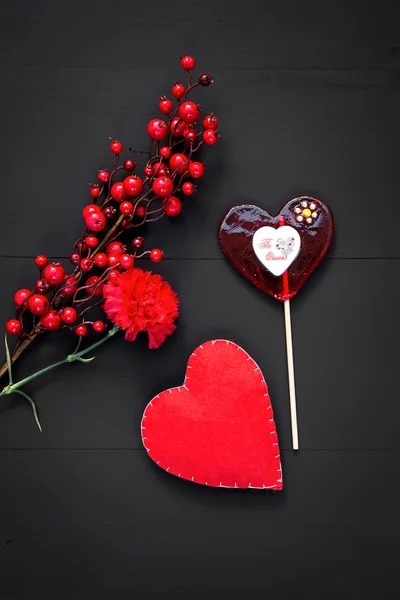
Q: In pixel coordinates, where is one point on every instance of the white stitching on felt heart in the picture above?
(267, 487)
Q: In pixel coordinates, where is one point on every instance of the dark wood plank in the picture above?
(346, 370)
(307, 96)
(106, 523)
(257, 35)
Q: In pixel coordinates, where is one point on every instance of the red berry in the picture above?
(118, 191)
(165, 151)
(162, 187)
(126, 261)
(95, 191)
(173, 206)
(156, 255)
(103, 176)
(69, 315)
(137, 242)
(113, 275)
(116, 248)
(21, 295)
(70, 286)
(179, 163)
(51, 320)
(90, 209)
(13, 327)
(126, 208)
(91, 241)
(140, 212)
(116, 147)
(189, 133)
(178, 90)
(113, 260)
(129, 164)
(99, 326)
(157, 129)
(38, 304)
(86, 264)
(100, 260)
(177, 127)
(75, 258)
(81, 330)
(188, 63)
(161, 169)
(165, 106)
(42, 286)
(109, 212)
(210, 122)
(41, 261)
(54, 273)
(148, 170)
(133, 185)
(196, 169)
(210, 137)
(91, 284)
(96, 221)
(206, 80)
(189, 112)
(188, 188)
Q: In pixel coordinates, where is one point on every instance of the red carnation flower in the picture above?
(138, 301)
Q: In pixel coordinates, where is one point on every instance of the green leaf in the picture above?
(33, 405)
(8, 359)
(84, 360)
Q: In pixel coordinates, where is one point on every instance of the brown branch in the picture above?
(107, 237)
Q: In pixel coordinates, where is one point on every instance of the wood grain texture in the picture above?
(110, 523)
(307, 96)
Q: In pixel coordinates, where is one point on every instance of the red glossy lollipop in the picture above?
(278, 254)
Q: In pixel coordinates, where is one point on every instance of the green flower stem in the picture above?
(75, 356)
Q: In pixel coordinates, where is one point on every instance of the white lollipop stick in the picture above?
(292, 386)
(276, 249)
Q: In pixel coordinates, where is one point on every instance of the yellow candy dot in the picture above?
(306, 212)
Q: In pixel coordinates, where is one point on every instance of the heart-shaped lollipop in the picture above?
(278, 254)
(247, 240)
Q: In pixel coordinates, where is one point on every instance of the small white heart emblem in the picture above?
(276, 249)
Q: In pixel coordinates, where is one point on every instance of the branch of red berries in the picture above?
(63, 300)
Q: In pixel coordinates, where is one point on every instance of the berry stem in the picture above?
(73, 289)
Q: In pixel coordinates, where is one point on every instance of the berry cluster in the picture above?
(60, 299)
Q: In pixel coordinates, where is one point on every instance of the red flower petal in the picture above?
(141, 301)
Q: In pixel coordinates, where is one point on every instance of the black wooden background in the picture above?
(308, 96)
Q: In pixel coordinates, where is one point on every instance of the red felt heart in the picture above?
(218, 428)
(241, 223)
